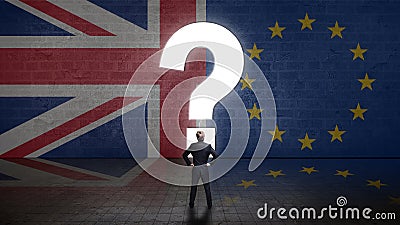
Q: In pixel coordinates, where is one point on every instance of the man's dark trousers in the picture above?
(200, 152)
(197, 173)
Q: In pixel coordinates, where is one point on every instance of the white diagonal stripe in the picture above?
(127, 34)
(86, 129)
(99, 16)
(46, 122)
(88, 97)
(46, 17)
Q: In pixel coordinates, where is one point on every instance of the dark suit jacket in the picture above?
(200, 152)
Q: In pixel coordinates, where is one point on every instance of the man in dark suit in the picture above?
(200, 152)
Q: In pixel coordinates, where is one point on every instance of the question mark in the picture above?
(228, 64)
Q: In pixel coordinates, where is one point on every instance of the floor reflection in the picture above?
(199, 216)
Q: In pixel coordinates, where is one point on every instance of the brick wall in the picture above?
(314, 78)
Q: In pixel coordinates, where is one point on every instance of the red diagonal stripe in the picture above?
(111, 66)
(67, 17)
(72, 174)
(68, 127)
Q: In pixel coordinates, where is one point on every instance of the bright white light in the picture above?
(226, 50)
(191, 136)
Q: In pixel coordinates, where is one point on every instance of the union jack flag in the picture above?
(65, 67)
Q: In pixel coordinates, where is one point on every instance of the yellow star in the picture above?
(306, 142)
(343, 173)
(277, 134)
(276, 30)
(306, 22)
(358, 112)
(366, 82)
(376, 183)
(246, 82)
(336, 134)
(394, 200)
(336, 30)
(247, 184)
(255, 52)
(308, 170)
(358, 52)
(229, 201)
(255, 112)
(275, 173)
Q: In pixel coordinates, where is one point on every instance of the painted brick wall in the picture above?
(89, 66)
(314, 77)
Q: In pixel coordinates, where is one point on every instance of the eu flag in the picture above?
(332, 67)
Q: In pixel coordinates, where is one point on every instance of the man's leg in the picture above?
(193, 188)
(205, 178)
(207, 188)
(193, 191)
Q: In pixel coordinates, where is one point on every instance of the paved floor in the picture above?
(78, 192)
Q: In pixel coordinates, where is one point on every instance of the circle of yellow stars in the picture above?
(336, 32)
(306, 142)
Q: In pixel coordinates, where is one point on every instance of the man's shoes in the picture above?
(191, 205)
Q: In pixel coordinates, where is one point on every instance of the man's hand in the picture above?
(192, 164)
(208, 164)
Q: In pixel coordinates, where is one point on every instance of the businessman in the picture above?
(200, 152)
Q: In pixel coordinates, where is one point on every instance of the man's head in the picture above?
(200, 135)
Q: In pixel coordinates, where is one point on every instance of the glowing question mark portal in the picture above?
(228, 63)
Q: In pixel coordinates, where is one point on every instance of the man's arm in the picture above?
(186, 158)
(213, 153)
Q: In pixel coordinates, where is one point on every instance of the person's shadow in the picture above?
(202, 217)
